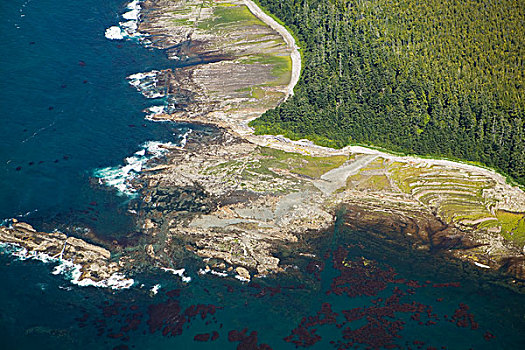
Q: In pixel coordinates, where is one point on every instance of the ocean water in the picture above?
(404, 301)
(70, 116)
(68, 109)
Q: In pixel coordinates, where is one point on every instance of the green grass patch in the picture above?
(466, 211)
(317, 166)
(182, 22)
(257, 93)
(467, 198)
(225, 4)
(376, 164)
(378, 182)
(300, 164)
(182, 10)
(473, 215)
(512, 226)
(281, 66)
(227, 15)
(368, 182)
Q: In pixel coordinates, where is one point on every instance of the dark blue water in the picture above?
(39, 310)
(66, 105)
(67, 110)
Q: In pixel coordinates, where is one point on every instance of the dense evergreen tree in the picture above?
(443, 78)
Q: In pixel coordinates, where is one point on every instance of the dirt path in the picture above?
(238, 123)
(305, 147)
(336, 178)
(280, 205)
(288, 38)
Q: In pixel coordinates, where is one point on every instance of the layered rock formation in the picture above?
(237, 200)
(238, 197)
(222, 200)
(235, 66)
(95, 261)
(233, 201)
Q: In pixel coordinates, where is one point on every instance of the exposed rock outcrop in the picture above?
(234, 198)
(95, 261)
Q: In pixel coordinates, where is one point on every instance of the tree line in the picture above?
(442, 78)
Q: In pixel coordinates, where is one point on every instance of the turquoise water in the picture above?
(56, 56)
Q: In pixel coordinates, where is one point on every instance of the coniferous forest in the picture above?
(431, 77)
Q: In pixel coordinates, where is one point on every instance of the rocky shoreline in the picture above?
(94, 262)
(238, 166)
(236, 200)
(394, 210)
(237, 204)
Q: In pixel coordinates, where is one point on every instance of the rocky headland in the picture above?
(263, 191)
(238, 200)
(94, 262)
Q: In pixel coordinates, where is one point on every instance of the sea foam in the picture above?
(120, 177)
(184, 138)
(114, 33)
(72, 271)
(179, 272)
(127, 29)
(146, 84)
(155, 289)
(132, 15)
(213, 272)
(153, 111)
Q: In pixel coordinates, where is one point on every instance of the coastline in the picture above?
(239, 127)
(306, 146)
(498, 196)
(182, 235)
(236, 199)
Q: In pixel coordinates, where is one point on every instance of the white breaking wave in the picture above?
(242, 279)
(213, 272)
(139, 76)
(120, 177)
(134, 5)
(73, 271)
(114, 33)
(184, 138)
(179, 272)
(131, 25)
(132, 15)
(153, 111)
(155, 289)
(128, 28)
(27, 213)
(220, 274)
(69, 269)
(481, 265)
(146, 84)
